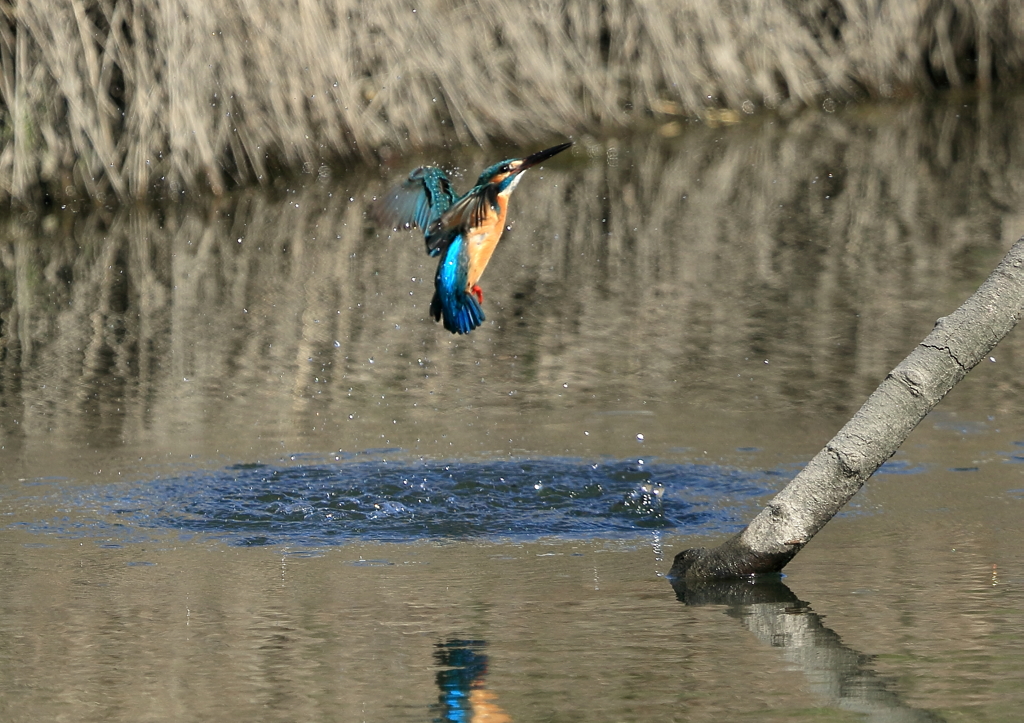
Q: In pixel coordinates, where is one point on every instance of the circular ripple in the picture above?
(325, 503)
(331, 503)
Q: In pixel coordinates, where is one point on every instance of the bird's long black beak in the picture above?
(541, 156)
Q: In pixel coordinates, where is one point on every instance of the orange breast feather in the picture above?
(482, 241)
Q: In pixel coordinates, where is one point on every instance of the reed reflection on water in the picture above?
(781, 265)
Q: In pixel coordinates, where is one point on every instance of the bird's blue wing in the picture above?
(419, 201)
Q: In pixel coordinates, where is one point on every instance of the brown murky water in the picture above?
(732, 295)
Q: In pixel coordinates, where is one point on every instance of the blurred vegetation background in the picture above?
(825, 244)
(122, 99)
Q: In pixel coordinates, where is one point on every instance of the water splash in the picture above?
(334, 502)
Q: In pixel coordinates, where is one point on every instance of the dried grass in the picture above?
(121, 98)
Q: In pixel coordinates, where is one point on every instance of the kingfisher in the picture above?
(462, 230)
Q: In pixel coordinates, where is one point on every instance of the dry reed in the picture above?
(121, 98)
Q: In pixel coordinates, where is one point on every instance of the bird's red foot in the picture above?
(478, 293)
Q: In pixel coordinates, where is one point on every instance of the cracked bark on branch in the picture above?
(956, 344)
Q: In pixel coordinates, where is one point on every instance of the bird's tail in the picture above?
(460, 312)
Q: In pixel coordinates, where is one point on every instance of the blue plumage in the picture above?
(419, 201)
(460, 312)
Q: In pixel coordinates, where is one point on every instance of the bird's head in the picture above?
(507, 173)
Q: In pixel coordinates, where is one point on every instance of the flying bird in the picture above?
(462, 230)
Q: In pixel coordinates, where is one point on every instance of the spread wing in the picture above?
(468, 212)
(419, 201)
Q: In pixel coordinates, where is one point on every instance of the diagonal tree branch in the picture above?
(911, 390)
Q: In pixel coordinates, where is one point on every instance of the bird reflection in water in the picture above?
(464, 696)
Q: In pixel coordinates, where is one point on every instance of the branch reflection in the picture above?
(835, 672)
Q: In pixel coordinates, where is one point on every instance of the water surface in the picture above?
(244, 476)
